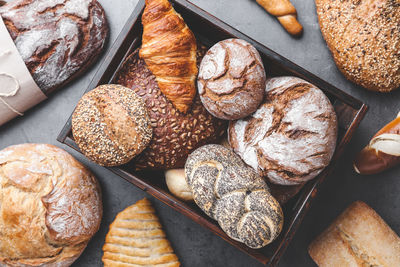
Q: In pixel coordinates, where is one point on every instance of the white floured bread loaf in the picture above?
(359, 237)
(50, 206)
(136, 238)
(291, 138)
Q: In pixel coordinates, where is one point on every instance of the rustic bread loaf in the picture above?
(176, 183)
(50, 206)
(359, 237)
(175, 134)
(231, 79)
(291, 138)
(136, 238)
(232, 193)
(111, 125)
(364, 39)
(57, 39)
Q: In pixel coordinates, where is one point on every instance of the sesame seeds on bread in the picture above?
(111, 125)
(175, 134)
(364, 39)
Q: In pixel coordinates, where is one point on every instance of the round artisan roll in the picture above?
(291, 138)
(231, 79)
(50, 206)
(232, 193)
(111, 125)
(175, 134)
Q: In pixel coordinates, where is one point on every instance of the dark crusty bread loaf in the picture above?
(232, 193)
(175, 134)
(57, 39)
(364, 39)
(111, 125)
(291, 138)
(359, 237)
(50, 206)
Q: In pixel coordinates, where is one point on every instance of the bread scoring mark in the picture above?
(291, 137)
(56, 38)
(231, 79)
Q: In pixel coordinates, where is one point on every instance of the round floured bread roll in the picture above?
(50, 206)
(291, 138)
(231, 79)
(175, 135)
(111, 125)
(233, 194)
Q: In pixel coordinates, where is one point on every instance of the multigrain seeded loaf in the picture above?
(233, 194)
(111, 125)
(175, 135)
(364, 39)
(50, 206)
(359, 237)
(291, 138)
(57, 39)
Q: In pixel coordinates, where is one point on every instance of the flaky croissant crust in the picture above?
(169, 50)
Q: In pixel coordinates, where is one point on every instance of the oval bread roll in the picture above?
(176, 183)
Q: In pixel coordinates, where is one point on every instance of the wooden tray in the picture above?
(210, 30)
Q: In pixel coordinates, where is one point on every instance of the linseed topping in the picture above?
(111, 125)
(364, 38)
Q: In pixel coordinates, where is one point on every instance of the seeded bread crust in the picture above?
(175, 135)
(364, 39)
(111, 125)
(233, 194)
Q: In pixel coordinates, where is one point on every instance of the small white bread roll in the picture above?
(176, 183)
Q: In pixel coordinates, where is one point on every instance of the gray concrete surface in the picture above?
(195, 245)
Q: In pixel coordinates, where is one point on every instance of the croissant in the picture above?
(169, 50)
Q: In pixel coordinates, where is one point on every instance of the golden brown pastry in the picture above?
(136, 238)
(285, 12)
(382, 152)
(169, 50)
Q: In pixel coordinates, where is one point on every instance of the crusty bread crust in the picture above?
(58, 40)
(358, 237)
(292, 136)
(364, 39)
(50, 206)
